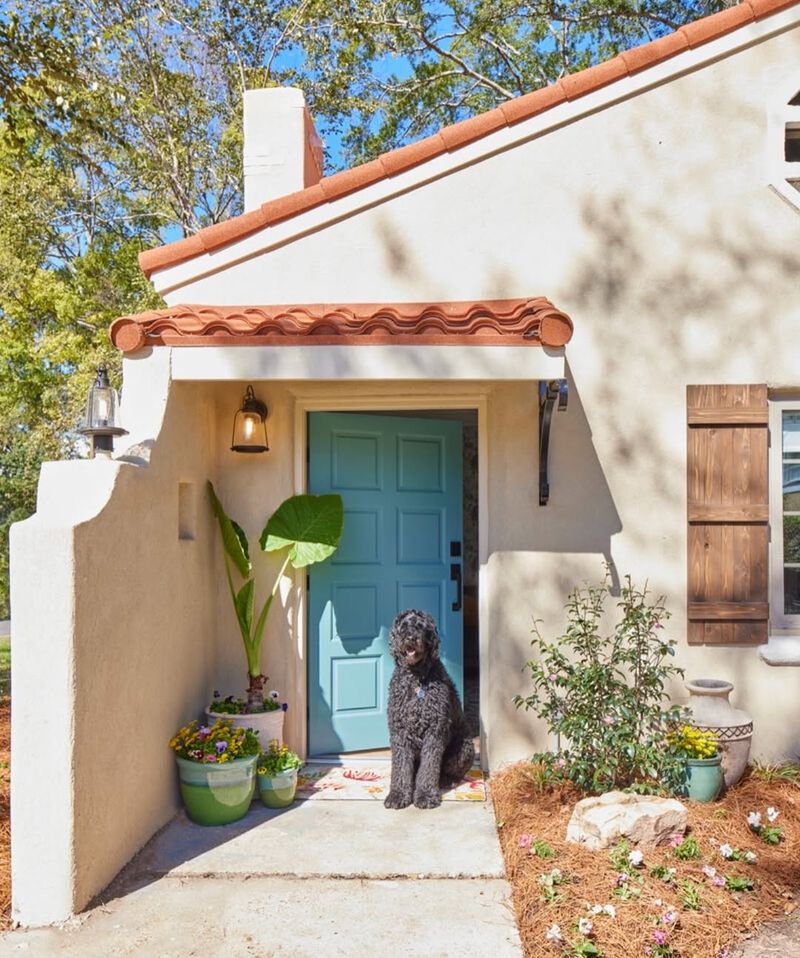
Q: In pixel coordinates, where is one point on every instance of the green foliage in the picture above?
(688, 850)
(689, 894)
(309, 528)
(5, 666)
(768, 772)
(542, 849)
(603, 696)
(549, 883)
(233, 706)
(738, 883)
(663, 873)
(278, 758)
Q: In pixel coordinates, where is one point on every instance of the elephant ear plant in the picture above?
(308, 529)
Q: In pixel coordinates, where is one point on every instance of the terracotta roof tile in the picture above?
(406, 157)
(531, 104)
(220, 234)
(348, 181)
(579, 84)
(709, 28)
(764, 8)
(451, 138)
(527, 322)
(648, 55)
(459, 134)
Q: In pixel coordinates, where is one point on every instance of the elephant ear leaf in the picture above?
(309, 526)
(233, 538)
(243, 604)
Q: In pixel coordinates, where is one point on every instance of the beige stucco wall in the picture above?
(652, 224)
(113, 650)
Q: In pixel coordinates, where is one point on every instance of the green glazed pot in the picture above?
(703, 778)
(277, 791)
(217, 794)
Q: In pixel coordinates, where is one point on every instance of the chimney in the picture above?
(282, 150)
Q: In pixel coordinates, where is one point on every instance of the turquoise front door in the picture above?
(400, 479)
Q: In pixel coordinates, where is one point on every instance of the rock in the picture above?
(600, 821)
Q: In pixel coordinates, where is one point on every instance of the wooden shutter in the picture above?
(728, 513)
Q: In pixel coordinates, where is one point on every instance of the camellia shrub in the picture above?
(604, 696)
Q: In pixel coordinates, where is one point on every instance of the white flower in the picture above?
(93, 86)
(59, 100)
(596, 909)
(751, 858)
(274, 694)
(553, 933)
(754, 819)
(669, 917)
(610, 910)
(725, 850)
(658, 902)
(585, 926)
(635, 858)
(772, 813)
(708, 871)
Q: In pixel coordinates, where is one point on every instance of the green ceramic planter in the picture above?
(703, 778)
(277, 791)
(217, 794)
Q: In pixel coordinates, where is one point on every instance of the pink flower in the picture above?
(552, 677)
(719, 881)
(608, 720)
(660, 936)
(525, 841)
(669, 917)
(675, 839)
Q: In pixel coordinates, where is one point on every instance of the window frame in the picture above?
(780, 621)
(782, 173)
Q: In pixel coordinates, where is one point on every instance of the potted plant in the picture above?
(309, 529)
(277, 775)
(700, 749)
(216, 770)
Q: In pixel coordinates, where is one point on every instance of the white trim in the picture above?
(365, 363)
(358, 402)
(779, 621)
(779, 172)
(169, 280)
(783, 648)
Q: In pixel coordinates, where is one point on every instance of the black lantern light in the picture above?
(249, 425)
(100, 421)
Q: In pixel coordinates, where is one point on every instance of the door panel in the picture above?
(400, 479)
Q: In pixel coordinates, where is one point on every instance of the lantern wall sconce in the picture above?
(100, 420)
(249, 425)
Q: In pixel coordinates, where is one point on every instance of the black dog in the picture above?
(431, 749)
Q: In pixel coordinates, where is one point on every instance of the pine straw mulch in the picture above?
(5, 821)
(723, 918)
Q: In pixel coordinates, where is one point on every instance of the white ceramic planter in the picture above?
(269, 725)
(711, 711)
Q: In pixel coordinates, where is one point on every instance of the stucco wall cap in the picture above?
(453, 137)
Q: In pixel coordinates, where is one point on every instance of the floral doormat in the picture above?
(370, 782)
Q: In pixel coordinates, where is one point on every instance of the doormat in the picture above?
(370, 782)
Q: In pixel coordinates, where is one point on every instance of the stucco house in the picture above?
(563, 332)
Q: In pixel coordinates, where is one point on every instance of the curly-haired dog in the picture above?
(431, 748)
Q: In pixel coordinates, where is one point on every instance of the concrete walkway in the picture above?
(345, 879)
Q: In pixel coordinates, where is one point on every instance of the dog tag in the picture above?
(420, 693)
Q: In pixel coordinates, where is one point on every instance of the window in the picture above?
(785, 515)
(784, 148)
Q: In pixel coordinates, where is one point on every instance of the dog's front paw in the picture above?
(427, 800)
(396, 799)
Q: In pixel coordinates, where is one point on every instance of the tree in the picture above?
(121, 129)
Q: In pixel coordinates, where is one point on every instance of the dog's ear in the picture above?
(433, 639)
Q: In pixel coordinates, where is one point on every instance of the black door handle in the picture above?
(455, 576)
